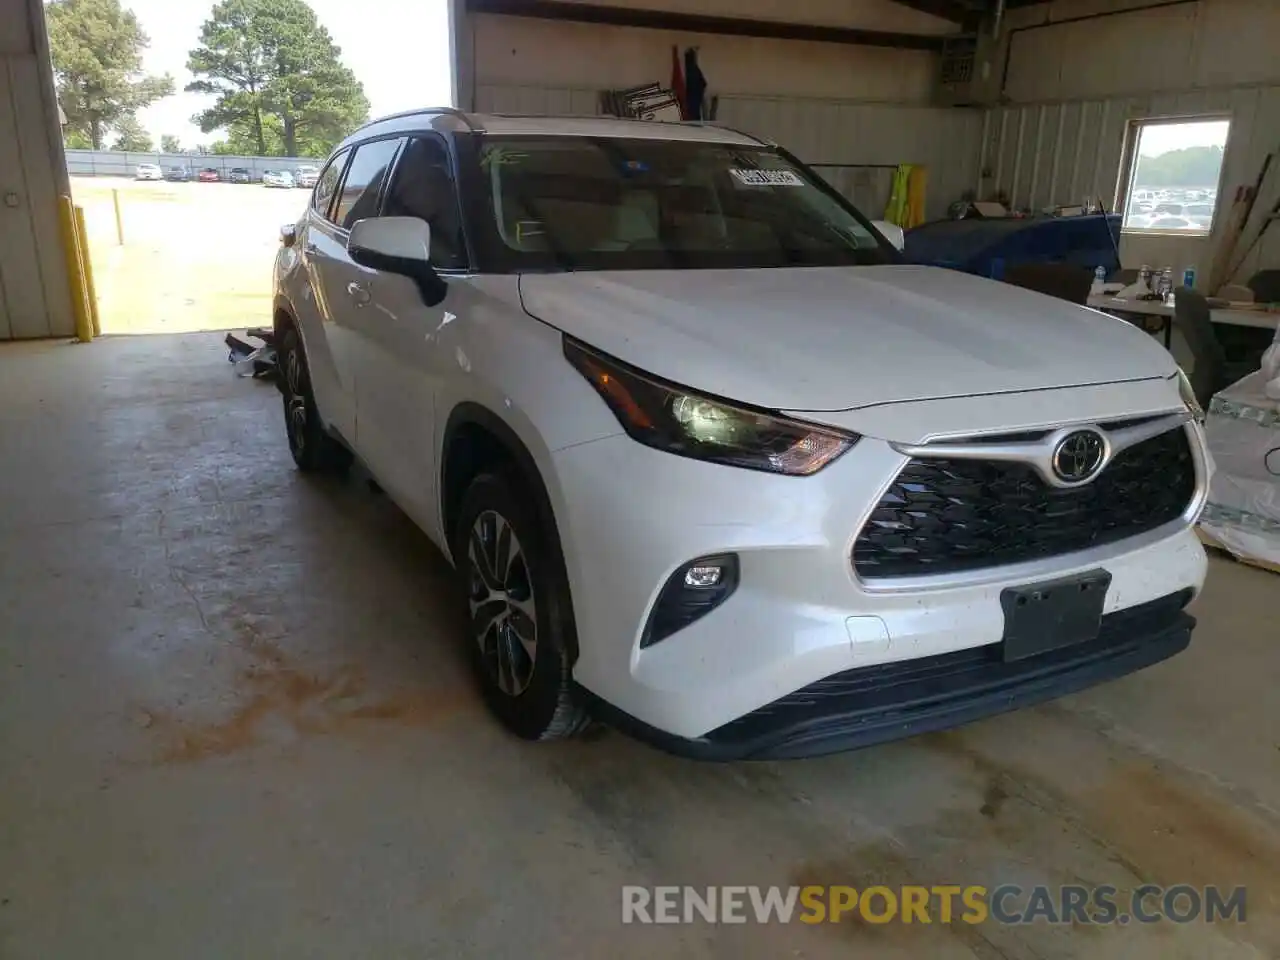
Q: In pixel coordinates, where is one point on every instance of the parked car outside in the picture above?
(148, 171)
(240, 175)
(306, 177)
(177, 174)
(209, 175)
(714, 464)
(277, 178)
(1173, 223)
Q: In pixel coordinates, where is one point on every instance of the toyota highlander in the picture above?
(714, 464)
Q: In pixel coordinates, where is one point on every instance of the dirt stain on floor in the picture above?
(1159, 822)
(993, 798)
(879, 871)
(1182, 835)
(277, 699)
(1168, 825)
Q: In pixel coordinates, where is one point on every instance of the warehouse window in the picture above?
(1172, 172)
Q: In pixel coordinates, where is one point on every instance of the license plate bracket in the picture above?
(1041, 617)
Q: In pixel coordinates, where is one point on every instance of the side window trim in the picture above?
(344, 159)
(337, 187)
(332, 213)
(392, 167)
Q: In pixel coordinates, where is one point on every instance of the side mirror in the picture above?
(891, 232)
(398, 245)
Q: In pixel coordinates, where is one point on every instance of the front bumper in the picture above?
(870, 705)
(629, 516)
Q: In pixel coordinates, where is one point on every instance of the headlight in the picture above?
(1189, 396)
(671, 418)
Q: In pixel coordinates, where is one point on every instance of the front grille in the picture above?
(945, 516)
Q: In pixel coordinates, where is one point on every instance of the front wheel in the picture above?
(520, 625)
(313, 449)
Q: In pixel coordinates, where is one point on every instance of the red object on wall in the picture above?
(677, 83)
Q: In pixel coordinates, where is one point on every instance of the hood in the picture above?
(836, 338)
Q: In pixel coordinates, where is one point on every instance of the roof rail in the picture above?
(724, 126)
(461, 115)
(447, 111)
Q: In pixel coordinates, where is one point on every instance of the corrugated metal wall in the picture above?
(34, 297)
(1042, 154)
(526, 52)
(34, 301)
(1067, 146)
(845, 133)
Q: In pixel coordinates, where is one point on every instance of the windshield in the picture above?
(579, 203)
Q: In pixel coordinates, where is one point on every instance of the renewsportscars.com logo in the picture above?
(1005, 904)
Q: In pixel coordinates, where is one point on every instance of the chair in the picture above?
(1125, 275)
(1265, 285)
(1062, 280)
(1212, 371)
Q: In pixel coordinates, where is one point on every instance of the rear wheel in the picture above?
(313, 449)
(518, 599)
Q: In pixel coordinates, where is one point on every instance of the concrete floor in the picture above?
(234, 723)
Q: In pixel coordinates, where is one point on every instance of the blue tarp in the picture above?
(986, 247)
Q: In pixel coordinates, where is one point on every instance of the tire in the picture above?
(314, 449)
(530, 691)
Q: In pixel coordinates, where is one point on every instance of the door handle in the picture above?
(358, 293)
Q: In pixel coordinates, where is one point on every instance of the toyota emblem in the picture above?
(1079, 456)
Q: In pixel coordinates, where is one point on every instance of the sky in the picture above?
(399, 49)
(1160, 138)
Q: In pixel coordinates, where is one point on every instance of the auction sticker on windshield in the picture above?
(768, 178)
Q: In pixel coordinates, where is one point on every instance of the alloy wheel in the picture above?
(295, 400)
(504, 616)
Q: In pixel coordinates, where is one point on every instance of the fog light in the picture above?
(689, 594)
(703, 577)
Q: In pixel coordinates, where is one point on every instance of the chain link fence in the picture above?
(118, 163)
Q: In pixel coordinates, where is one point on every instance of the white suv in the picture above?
(716, 466)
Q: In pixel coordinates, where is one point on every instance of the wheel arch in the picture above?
(283, 314)
(475, 438)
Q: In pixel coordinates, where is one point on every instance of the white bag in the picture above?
(1271, 368)
(1243, 430)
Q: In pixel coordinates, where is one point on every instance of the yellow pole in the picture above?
(115, 199)
(90, 286)
(75, 271)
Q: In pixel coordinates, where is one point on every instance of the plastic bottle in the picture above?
(1099, 278)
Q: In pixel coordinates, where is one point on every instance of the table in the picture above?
(1238, 316)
